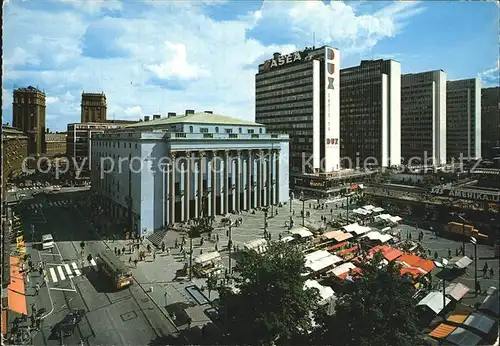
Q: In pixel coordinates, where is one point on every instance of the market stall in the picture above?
(208, 263)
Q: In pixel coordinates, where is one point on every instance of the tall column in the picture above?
(187, 183)
(244, 178)
(227, 183)
(208, 169)
(173, 156)
(182, 187)
(277, 178)
(238, 180)
(215, 188)
(255, 171)
(260, 177)
(270, 170)
(196, 186)
(201, 172)
(167, 194)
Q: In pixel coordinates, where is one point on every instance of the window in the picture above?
(190, 129)
(260, 130)
(229, 130)
(239, 130)
(250, 131)
(203, 130)
(216, 129)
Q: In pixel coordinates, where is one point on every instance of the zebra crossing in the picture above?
(37, 206)
(66, 271)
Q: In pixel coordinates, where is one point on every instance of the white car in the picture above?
(47, 241)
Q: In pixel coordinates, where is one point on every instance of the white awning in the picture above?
(302, 231)
(434, 301)
(463, 337)
(480, 322)
(459, 262)
(259, 245)
(337, 235)
(456, 290)
(356, 228)
(378, 210)
(287, 239)
(316, 255)
(369, 207)
(395, 219)
(374, 235)
(384, 217)
(323, 263)
(343, 268)
(325, 292)
(206, 257)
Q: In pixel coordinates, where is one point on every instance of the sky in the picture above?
(154, 57)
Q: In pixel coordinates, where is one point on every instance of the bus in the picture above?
(115, 269)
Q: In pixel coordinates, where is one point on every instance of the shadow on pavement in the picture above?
(101, 283)
(208, 335)
(178, 313)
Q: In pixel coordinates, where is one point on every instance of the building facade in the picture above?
(185, 166)
(370, 114)
(28, 116)
(14, 151)
(298, 94)
(423, 118)
(93, 108)
(78, 136)
(55, 144)
(490, 122)
(463, 118)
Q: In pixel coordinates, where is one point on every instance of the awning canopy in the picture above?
(342, 269)
(395, 219)
(337, 236)
(384, 217)
(362, 211)
(369, 207)
(303, 232)
(389, 253)
(463, 337)
(206, 257)
(459, 262)
(414, 261)
(323, 263)
(480, 322)
(375, 235)
(456, 290)
(442, 331)
(434, 301)
(287, 239)
(325, 292)
(356, 228)
(378, 210)
(259, 245)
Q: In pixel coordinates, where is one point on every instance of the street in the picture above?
(126, 317)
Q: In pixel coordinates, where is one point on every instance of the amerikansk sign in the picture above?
(475, 195)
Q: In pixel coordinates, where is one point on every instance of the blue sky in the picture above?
(163, 56)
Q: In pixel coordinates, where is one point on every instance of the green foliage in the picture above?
(379, 310)
(271, 304)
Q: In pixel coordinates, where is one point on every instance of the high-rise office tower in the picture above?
(28, 116)
(94, 107)
(298, 94)
(463, 118)
(423, 118)
(370, 114)
(490, 121)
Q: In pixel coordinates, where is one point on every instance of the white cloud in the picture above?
(491, 77)
(173, 56)
(51, 99)
(175, 64)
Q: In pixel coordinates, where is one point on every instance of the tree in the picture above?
(211, 284)
(379, 310)
(268, 303)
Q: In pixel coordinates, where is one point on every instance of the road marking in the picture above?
(68, 270)
(75, 268)
(53, 275)
(61, 272)
(63, 289)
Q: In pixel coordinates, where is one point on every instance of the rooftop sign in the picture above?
(475, 195)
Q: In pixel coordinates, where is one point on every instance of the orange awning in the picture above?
(16, 293)
(442, 331)
(346, 251)
(4, 322)
(336, 246)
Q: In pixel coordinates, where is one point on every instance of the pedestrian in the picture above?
(216, 249)
(485, 271)
(492, 273)
(135, 262)
(123, 250)
(163, 246)
(189, 321)
(116, 250)
(148, 248)
(130, 260)
(449, 253)
(168, 251)
(478, 287)
(154, 256)
(201, 251)
(176, 243)
(456, 252)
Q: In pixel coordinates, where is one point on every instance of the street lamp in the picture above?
(347, 201)
(230, 244)
(474, 242)
(463, 234)
(291, 201)
(302, 198)
(265, 209)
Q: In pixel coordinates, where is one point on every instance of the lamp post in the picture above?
(444, 294)
(474, 242)
(291, 201)
(302, 198)
(230, 245)
(463, 234)
(347, 202)
(265, 209)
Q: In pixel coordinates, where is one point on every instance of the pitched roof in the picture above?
(195, 118)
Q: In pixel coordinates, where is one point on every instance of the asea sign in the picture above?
(285, 59)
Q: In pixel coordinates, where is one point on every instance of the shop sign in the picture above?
(317, 183)
(463, 194)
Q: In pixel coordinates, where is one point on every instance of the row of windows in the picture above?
(276, 95)
(294, 105)
(283, 71)
(281, 79)
(227, 130)
(286, 99)
(287, 85)
(107, 144)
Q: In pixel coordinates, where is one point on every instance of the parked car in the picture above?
(47, 241)
(67, 326)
